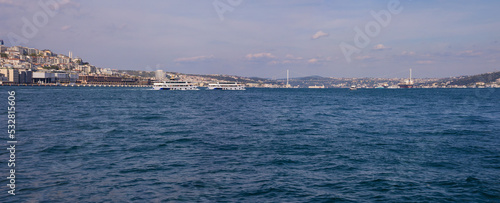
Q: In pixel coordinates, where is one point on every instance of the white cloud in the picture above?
(258, 56)
(361, 58)
(319, 59)
(425, 62)
(194, 59)
(470, 53)
(320, 34)
(292, 57)
(9, 2)
(408, 53)
(66, 27)
(380, 47)
(274, 62)
(313, 60)
(25, 3)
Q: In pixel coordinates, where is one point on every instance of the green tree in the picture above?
(53, 67)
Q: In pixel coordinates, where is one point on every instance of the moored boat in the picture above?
(225, 86)
(174, 85)
(407, 84)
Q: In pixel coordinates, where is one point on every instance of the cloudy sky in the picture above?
(436, 38)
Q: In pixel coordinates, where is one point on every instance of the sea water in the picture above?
(110, 144)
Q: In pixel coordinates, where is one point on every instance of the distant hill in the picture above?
(330, 82)
(137, 73)
(312, 77)
(473, 79)
(239, 79)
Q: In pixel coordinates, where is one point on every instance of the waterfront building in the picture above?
(62, 77)
(90, 79)
(73, 77)
(3, 78)
(11, 74)
(25, 76)
(43, 77)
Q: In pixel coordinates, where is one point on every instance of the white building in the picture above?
(32, 51)
(106, 71)
(12, 75)
(43, 77)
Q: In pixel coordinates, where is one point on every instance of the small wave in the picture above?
(59, 148)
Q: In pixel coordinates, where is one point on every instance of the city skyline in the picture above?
(264, 39)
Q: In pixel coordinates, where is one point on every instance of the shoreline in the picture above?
(150, 86)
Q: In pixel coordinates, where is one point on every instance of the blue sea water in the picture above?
(82, 144)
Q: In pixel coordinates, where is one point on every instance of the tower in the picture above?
(410, 77)
(159, 75)
(287, 78)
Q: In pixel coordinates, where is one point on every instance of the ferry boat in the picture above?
(317, 87)
(174, 85)
(225, 86)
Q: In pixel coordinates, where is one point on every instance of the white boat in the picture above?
(317, 87)
(225, 86)
(174, 85)
(353, 87)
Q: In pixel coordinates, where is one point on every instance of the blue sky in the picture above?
(436, 38)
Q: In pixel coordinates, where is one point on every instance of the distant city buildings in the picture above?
(23, 65)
